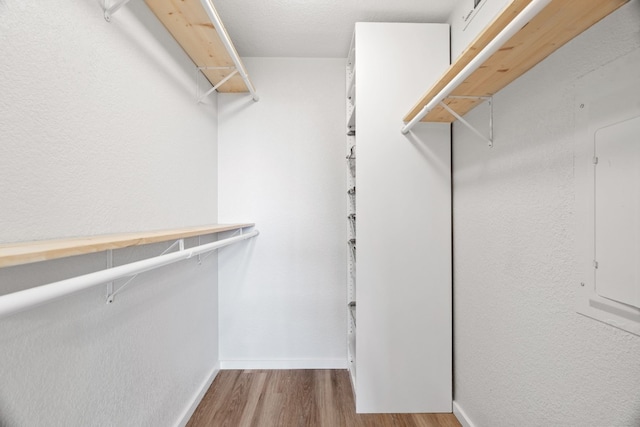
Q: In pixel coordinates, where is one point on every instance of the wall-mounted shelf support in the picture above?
(352, 222)
(238, 232)
(109, 265)
(198, 29)
(352, 154)
(111, 296)
(200, 98)
(521, 36)
(351, 90)
(352, 310)
(32, 297)
(226, 41)
(489, 139)
(352, 246)
(523, 18)
(109, 11)
(351, 123)
(199, 255)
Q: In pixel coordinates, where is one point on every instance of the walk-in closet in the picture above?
(320, 213)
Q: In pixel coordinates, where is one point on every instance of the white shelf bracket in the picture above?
(109, 11)
(352, 246)
(199, 255)
(226, 41)
(112, 294)
(238, 232)
(27, 299)
(199, 70)
(489, 139)
(516, 24)
(109, 265)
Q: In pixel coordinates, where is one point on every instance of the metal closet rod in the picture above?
(28, 298)
(527, 14)
(226, 41)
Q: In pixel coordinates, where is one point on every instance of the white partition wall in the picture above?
(280, 162)
(403, 205)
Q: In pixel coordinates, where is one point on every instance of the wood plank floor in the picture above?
(295, 398)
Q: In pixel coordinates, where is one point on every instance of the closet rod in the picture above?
(28, 298)
(226, 41)
(527, 14)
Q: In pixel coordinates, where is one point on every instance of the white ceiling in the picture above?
(315, 28)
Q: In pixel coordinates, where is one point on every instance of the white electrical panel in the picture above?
(607, 172)
(617, 212)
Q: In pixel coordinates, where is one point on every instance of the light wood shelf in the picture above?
(555, 25)
(189, 24)
(28, 252)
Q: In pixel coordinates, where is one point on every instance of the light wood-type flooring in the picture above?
(295, 398)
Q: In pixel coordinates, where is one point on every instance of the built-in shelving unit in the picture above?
(399, 349)
(556, 24)
(352, 311)
(351, 122)
(351, 210)
(28, 252)
(191, 26)
(351, 90)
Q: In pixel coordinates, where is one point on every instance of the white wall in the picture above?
(282, 165)
(99, 133)
(523, 356)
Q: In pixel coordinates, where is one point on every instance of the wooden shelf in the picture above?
(28, 252)
(189, 24)
(555, 25)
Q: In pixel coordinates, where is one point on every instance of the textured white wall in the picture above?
(523, 356)
(99, 133)
(137, 362)
(282, 165)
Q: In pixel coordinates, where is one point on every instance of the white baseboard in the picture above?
(461, 415)
(284, 364)
(197, 398)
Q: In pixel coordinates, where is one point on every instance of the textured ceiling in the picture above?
(315, 28)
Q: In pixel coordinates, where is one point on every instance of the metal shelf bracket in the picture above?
(199, 70)
(352, 246)
(111, 293)
(109, 265)
(489, 139)
(115, 6)
(238, 232)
